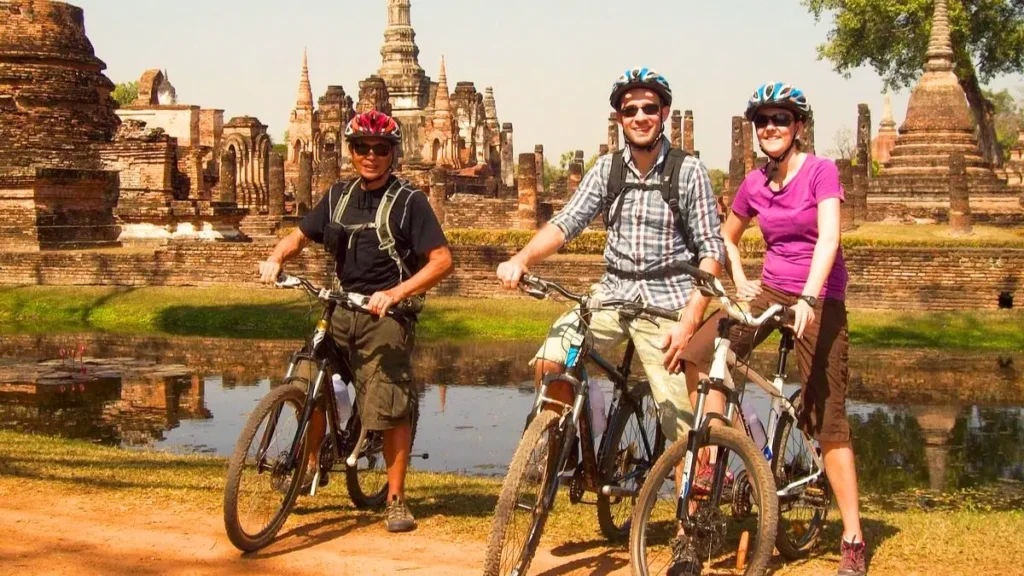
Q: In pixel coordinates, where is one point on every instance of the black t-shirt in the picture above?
(363, 267)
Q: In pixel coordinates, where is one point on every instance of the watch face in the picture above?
(811, 300)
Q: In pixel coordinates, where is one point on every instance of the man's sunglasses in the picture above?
(649, 109)
(779, 119)
(364, 149)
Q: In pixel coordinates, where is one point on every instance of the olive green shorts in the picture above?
(379, 351)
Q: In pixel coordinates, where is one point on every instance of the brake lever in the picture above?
(286, 281)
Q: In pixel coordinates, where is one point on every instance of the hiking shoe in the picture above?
(399, 517)
(684, 559)
(702, 483)
(851, 562)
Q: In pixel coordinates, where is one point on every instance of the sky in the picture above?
(551, 63)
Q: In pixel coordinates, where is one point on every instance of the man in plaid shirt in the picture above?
(644, 241)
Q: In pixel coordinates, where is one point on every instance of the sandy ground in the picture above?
(50, 534)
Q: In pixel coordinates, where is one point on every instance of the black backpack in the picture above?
(668, 186)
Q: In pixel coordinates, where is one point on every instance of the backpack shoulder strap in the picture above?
(616, 182)
(344, 192)
(398, 189)
(670, 183)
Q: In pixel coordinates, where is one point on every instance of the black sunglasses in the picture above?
(649, 109)
(364, 149)
(780, 119)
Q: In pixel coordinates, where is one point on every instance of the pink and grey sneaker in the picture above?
(851, 562)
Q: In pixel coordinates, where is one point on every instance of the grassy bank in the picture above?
(254, 313)
(907, 535)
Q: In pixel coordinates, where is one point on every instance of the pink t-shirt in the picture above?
(789, 223)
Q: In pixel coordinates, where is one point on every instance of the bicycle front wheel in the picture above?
(260, 489)
(737, 529)
(636, 442)
(521, 511)
(803, 509)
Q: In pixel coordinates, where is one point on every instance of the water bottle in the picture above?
(756, 430)
(342, 400)
(598, 410)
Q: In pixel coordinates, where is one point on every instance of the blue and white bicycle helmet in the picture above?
(779, 95)
(641, 78)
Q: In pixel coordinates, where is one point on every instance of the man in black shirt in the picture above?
(389, 245)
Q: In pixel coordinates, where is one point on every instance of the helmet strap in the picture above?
(775, 161)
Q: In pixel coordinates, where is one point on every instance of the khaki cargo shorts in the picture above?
(608, 331)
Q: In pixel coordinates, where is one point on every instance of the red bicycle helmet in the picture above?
(373, 124)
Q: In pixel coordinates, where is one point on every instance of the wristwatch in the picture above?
(811, 300)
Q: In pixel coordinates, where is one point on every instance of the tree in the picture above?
(125, 93)
(892, 37)
(565, 159)
(717, 180)
(1007, 116)
(843, 145)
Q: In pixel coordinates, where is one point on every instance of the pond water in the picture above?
(920, 419)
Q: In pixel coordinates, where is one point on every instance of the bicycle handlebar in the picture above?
(541, 289)
(349, 300)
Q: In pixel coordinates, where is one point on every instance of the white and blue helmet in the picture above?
(641, 78)
(779, 95)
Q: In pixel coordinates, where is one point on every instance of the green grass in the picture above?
(968, 532)
(256, 313)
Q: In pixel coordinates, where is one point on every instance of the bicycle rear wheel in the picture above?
(521, 512)
(804, 510)
(367, 481)
(629, 460)
(747, 504)
(260, 490)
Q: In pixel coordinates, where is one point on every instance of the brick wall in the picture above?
(881, 278)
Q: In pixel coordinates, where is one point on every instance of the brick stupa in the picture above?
(55, 113)
(915, 179)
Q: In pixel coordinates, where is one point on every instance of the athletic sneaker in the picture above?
(852, 561)
(399, 517)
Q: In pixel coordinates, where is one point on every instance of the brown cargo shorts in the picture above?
(379, 351)
(822, 355)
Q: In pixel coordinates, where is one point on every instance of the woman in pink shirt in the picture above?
(796, 199)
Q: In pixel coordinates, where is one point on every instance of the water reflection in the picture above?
(919, 421)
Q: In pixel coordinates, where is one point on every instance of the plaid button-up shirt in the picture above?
(644, 239)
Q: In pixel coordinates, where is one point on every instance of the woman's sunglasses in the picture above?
(779, 119)
(631, 111)
(364, 149)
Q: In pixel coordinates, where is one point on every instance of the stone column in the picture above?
(327, 174)
(228, 179)
(677, 129)
(304, 185)
(527, 185)
(808, 138)
(747, 131)
(858, 194)
(847, 213)
(738, 150)
(508, 173)
(737, 172)
(538, 152)
(602, 149)
(688, 131)
(276, 184)
(864, 137)
(613, 132)
(959, 200)
(575, 176)
(439, 192)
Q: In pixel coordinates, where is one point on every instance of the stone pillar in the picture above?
(602, 149)
(538, 152)
(677, 129)
(527, 184)
(688, 131)
(747, 133)
(613, 132)
(228, 180)
(304, 185)
(959, 200)
(808, 137)
(858, 194)
(738, 150)
(327, 173)
(508, 173)
(847, 212)
(439, 192)
(575, 176)
(276, 184)
(864, 137)
(737, 172)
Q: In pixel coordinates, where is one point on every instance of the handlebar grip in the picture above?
(698, 274)
(665, 313)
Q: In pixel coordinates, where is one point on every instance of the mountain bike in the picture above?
(711, 497)
(628, 447)
(266, 472)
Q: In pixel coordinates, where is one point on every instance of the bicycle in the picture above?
(732, 504)
(274, 471)
(628, 447)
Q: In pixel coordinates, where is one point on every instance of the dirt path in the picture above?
(53, 534)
